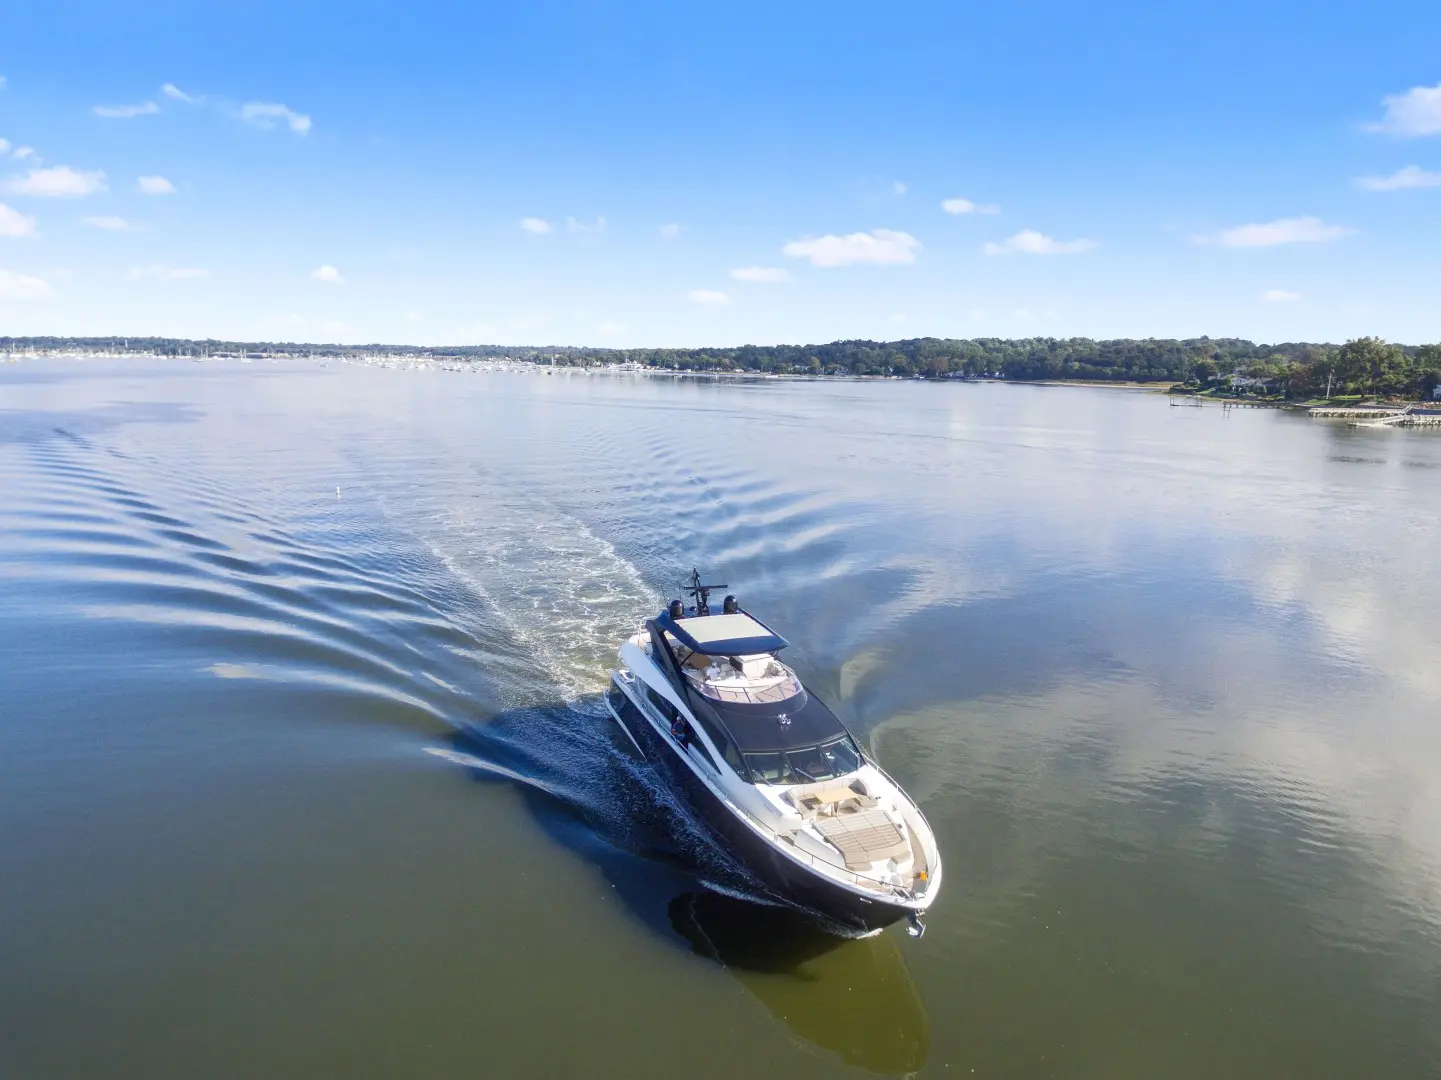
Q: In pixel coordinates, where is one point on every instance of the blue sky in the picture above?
(646, 174)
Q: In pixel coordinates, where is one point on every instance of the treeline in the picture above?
(1365, 366)
(1121, 360)
(1288, 367)
(1027, 358)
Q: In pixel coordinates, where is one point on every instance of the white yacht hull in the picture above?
(851, 900)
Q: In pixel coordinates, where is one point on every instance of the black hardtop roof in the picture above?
(797, 722)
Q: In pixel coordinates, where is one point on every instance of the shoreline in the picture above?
(456, 363)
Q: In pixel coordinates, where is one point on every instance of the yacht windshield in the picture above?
(829, 760)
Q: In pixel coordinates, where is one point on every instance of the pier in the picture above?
(1380, 415)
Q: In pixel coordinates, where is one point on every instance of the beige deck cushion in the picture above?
(827, 791)
(863, 837)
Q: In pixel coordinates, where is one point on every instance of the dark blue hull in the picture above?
(786, 879)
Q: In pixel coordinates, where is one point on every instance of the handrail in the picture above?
(873, 763)
(899, 890)
(721, 692)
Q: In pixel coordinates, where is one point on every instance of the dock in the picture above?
(1225, 402)
(1380, 415)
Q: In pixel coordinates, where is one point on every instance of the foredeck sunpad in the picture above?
(863, 837)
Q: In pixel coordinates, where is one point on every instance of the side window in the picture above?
(733, 758)
(696, 745)
(671, 714)
(661, 703)
(721, 741)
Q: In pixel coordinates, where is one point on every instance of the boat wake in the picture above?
(581, 773)
(402, 606)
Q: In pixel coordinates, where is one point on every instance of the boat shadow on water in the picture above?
(590, 793)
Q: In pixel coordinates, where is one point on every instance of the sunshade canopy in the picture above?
(722, 635)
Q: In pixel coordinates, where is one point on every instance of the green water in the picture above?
(307, 782)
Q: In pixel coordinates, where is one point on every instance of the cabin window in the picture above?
(835, 758)
(733, 758)
(769, 768)
(806, 765)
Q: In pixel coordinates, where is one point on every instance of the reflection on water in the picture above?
(1165, 682)
(854, 998)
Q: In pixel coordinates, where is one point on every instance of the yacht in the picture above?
(707, 701)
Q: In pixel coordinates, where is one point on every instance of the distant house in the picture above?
(1436, 393)
(1245, 382)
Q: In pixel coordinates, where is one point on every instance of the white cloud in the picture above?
(709, 297)
(899, 187)
(14, 223)
(1300, 230)
(111, 224)
(170, 90)
(536, 225)
(1279, 296)
(575, 226)
(1414, 113)
(1411, 176)
(24, 152)
(610, 328)
(328, 274)
(264, 114)
(57, 182)
(965, 206)
(125, 112)
(1030, 242)
(414, 317)
(165, 273)
(15, 286)
(760, 273)
(4, 146)
(155, 185)
(3, 82)
(670, 230)
(884, 247)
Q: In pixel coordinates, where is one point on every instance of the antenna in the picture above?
(700, 593)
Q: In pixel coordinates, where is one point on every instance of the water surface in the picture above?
(303, 770)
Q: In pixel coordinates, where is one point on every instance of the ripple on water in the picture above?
(278, 611)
